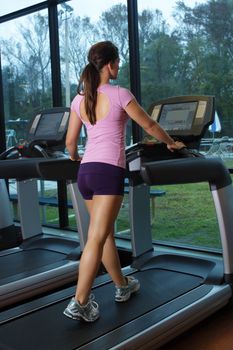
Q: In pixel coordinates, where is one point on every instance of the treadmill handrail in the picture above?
(39, 168)
(188, 170)
(59, 169)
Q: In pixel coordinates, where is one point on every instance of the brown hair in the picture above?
(99, 55)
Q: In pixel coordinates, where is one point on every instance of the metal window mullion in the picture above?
(134, 61)
(57, 101)
(2, 115)
(55, 56)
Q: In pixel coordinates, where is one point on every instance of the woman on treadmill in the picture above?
(104, 109)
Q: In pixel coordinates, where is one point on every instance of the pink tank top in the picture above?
(106, 139)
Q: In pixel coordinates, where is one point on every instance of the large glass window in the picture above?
(186, 49)
(191, 55)
(26, 72)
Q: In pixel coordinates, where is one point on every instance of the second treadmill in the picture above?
(42, 262)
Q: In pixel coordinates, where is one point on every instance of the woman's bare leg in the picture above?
(103, 213)
(111, 261)
(110, 256)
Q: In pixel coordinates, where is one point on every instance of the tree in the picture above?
(82, 34)
(150, 24)
(160, 55)
(207, 36)
(113, 26)
(160, 68)
(28, 63)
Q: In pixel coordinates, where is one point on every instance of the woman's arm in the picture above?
(72, 135)
(151, 127)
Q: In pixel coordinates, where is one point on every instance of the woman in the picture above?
(104, 109)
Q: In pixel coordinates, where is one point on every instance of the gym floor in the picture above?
(214, 333)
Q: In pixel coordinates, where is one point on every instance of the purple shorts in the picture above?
(97, 178)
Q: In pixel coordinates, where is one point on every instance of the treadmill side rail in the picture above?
(139, 207)
(29, 209)
(223, 201)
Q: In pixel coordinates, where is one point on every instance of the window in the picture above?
(187, 56)
(26, 71)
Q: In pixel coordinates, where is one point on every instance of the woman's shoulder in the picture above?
(76, 102)
(78, 97)
(119, 95)
(115, 90)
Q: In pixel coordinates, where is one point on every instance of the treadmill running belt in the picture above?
(23, 262)
(49, 329)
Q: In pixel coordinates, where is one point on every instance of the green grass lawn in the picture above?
(186, 214)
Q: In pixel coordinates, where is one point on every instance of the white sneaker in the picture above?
(89, 312)
(123, 293)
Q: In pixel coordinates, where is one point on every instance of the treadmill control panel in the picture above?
(49, 127)
(45, 138)
(185, 118)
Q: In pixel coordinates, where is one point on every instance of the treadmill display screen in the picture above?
(178, 116)
(49, 125)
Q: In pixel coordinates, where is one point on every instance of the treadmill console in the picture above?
(185, 118)
(46, 135)
(49, 127)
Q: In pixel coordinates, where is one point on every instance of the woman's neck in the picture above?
(104, 81)
(104, 76)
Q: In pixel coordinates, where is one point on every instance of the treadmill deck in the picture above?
(50, 329)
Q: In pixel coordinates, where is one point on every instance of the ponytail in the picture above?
(99, 55)
(88, 84)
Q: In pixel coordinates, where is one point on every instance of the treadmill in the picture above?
(178, 289)
(42, 261)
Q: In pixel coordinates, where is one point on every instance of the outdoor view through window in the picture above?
(186, 48)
